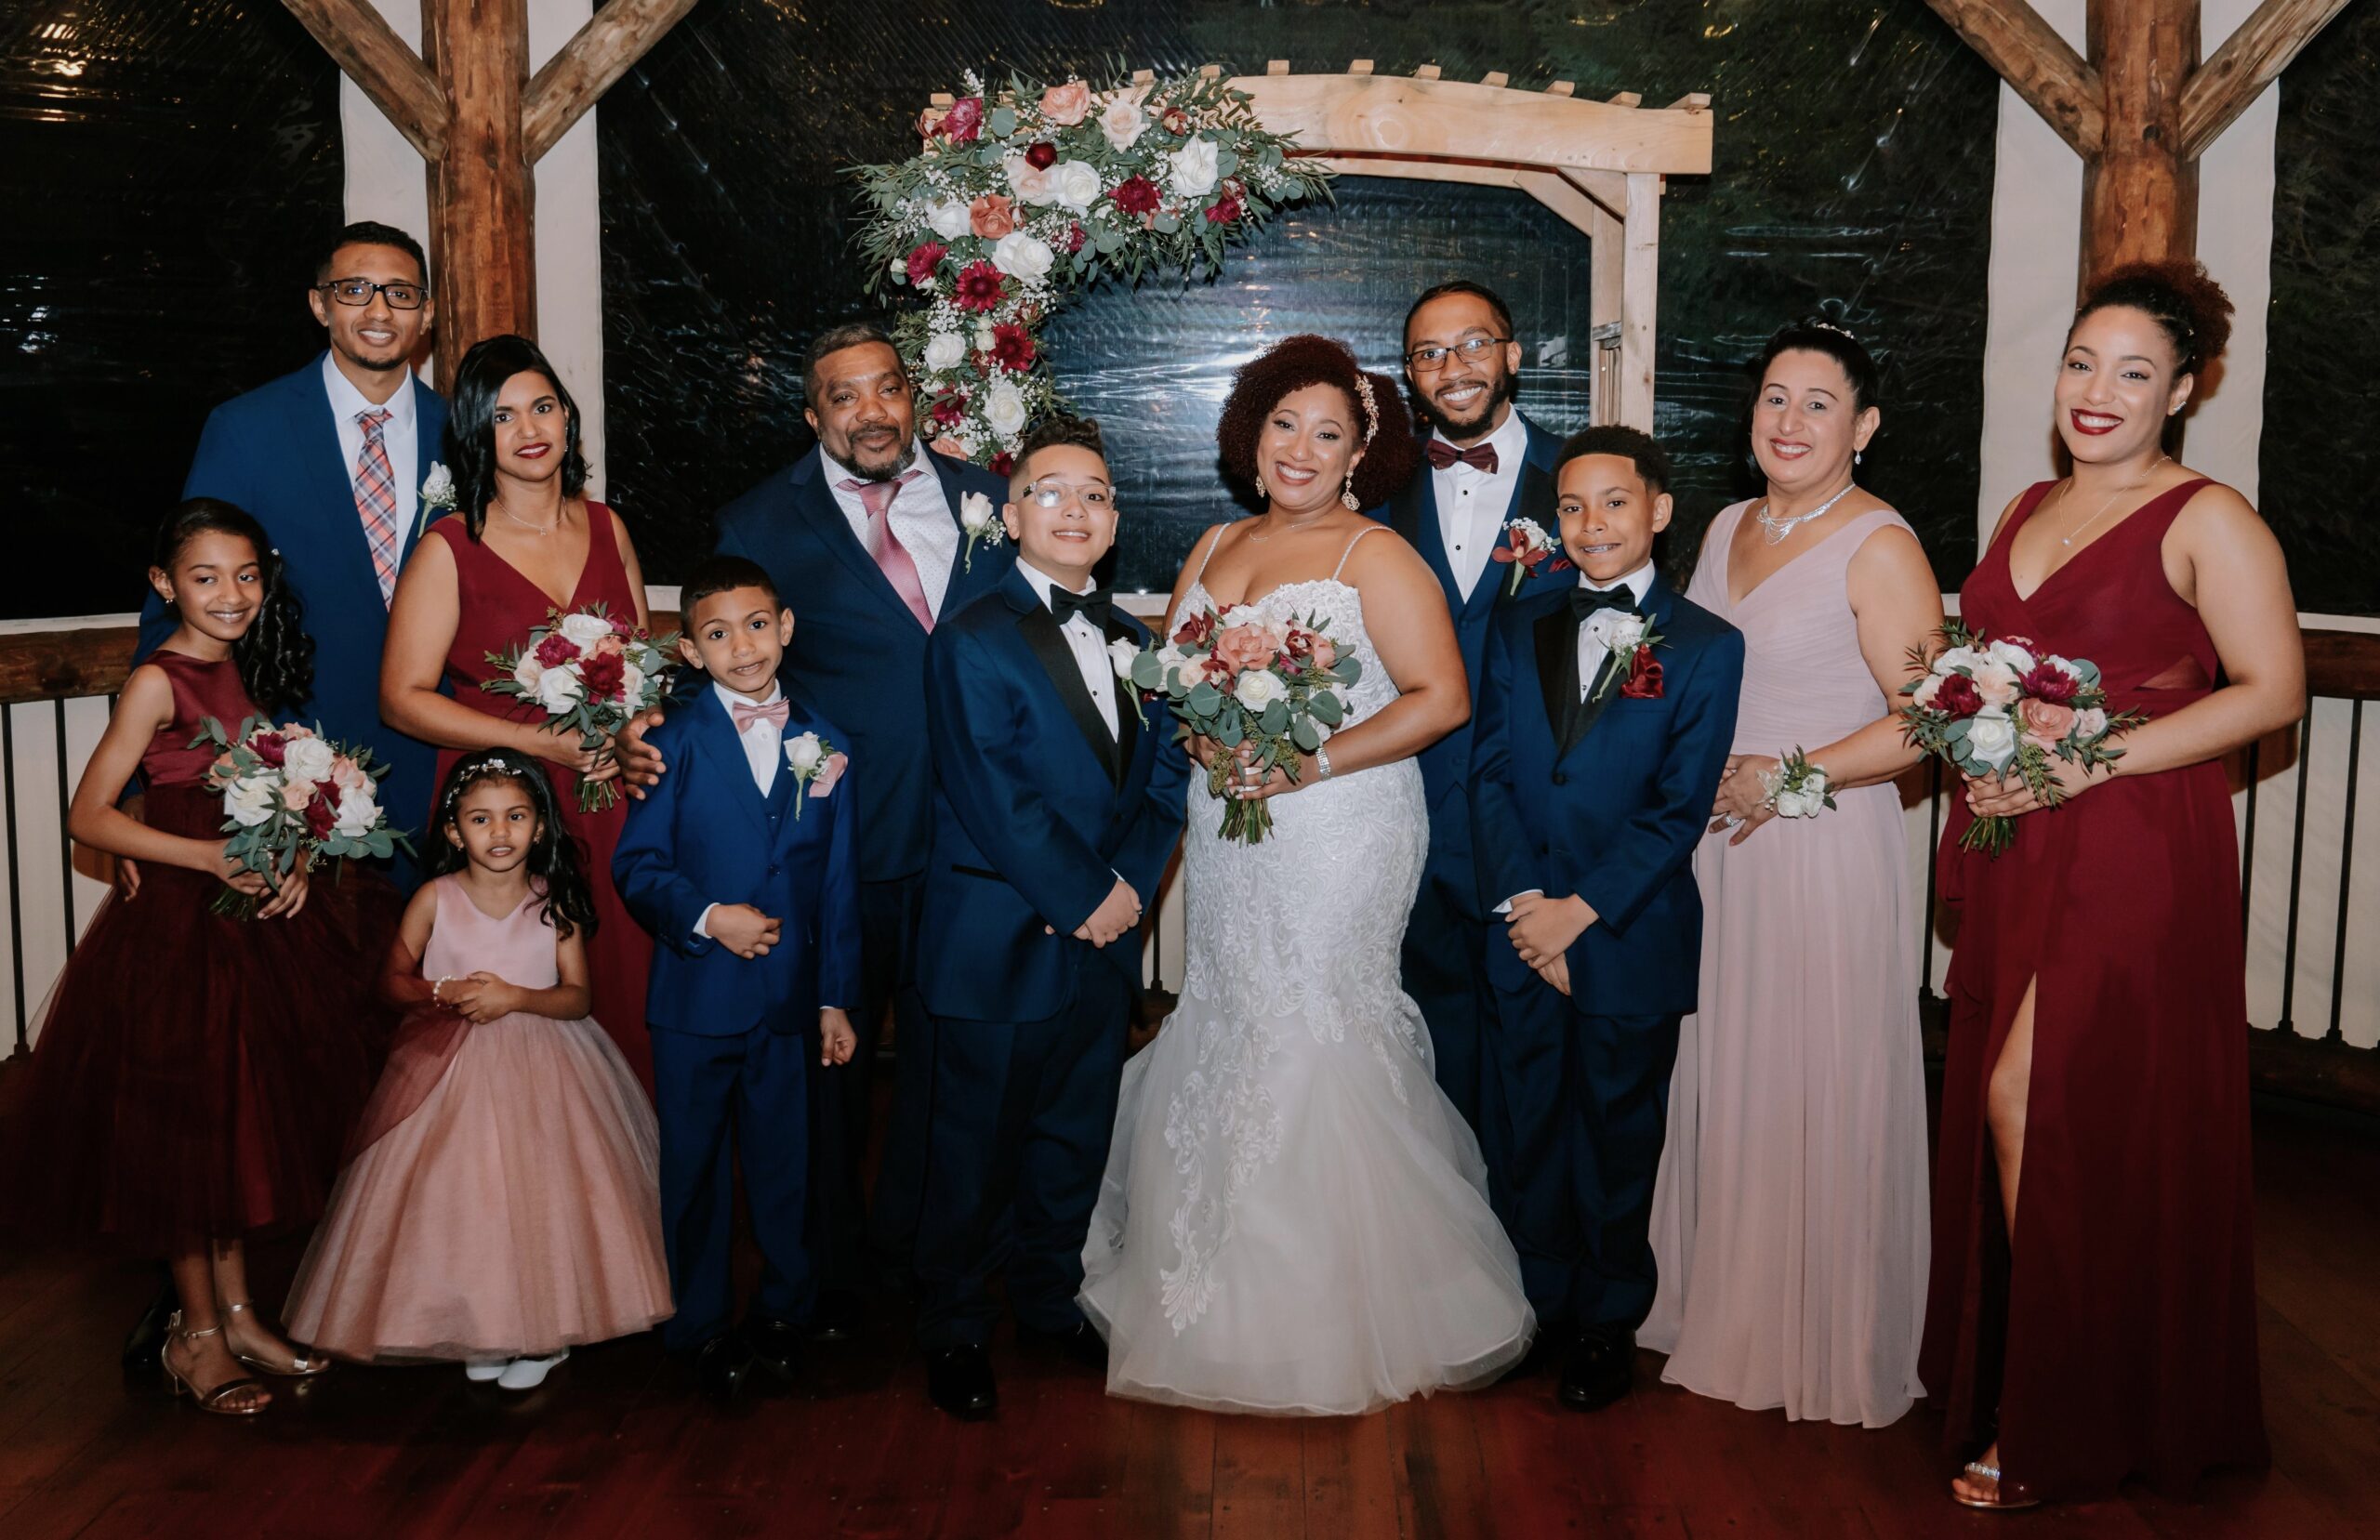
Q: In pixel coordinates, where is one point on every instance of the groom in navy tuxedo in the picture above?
(1057, 803)
(1488, 465)
(862, 542)
(1603, 720)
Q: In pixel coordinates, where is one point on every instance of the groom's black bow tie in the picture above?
(1585, 601)
(1097, 606)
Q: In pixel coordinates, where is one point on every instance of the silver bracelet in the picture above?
(1322, 763)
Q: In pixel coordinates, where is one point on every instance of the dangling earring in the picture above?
(1347, 495)
(1259, 486)
(1857, 455)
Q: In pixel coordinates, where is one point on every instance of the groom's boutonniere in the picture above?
(1527, 549)
(980, 521)
(817, 764)
(437, 495)
(1630, 641)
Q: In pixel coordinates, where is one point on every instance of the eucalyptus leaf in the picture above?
(1308, 737)
(1002, 122)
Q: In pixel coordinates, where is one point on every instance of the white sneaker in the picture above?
(527, 1373)
(481, 1371)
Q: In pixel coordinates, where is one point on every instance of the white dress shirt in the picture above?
(1593, 645)
(1472, 503)
(398, 436)
(763, 742)
(921, 518)
(1088, 646)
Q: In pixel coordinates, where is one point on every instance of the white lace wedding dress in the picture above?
(1294, 1217)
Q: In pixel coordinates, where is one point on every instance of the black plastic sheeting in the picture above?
(1852, 179)
(2319, 471)
(167, 167)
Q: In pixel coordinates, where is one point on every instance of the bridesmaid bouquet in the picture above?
(1239, 678)
(2001, 708)
(292, 796)
(591, 672)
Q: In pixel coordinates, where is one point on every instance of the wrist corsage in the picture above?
(1797, 788)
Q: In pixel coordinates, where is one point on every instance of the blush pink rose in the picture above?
(1996, 682)
(1325, 654)
(1245, 646)
(349, 776)
(991, 216)
(2091, 723)
(2045, 720)
(1067, 104)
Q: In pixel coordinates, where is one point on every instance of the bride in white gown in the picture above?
(1294, 1217)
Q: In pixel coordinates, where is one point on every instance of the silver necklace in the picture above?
(534, 528)
(1777, 529)
(2136, 486)
(1288, 527)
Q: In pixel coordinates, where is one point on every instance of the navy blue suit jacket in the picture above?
(1614, 816)
(274, 451)
(705, 835)
(857, 650)
(1413, 513)
(1037, 809)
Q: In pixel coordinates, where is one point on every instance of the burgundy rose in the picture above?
(2046, 681)
(1225, 211)
(978, 288)
(321, 816)
(1041, 156)
(1176, 120)
(1644, 681)
(949, 408)
(964, 120)
(556, 649)
(271, 747)
(1003, 463)
(1073, 239)
(924, 259)
(1011, 349)
(1136, 195)
(603, 673)
(1958, 696)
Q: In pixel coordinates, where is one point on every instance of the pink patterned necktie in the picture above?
(892, 557)
(376, 500)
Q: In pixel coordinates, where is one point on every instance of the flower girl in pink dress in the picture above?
(501, 1202)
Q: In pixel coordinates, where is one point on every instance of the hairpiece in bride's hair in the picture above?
(1831, 327)
(1372, 407)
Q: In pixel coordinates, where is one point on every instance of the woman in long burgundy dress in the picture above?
(2105, 1327)
(522, 543)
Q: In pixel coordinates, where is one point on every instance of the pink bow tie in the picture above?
(744, 714)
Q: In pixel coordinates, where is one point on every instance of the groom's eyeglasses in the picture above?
(1053, 495)
(1424, 359)
(359, 292)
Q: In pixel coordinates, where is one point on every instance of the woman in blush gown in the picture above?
(2105, 1327)
(522, 543)
(1788, 1215)
(1294, 1217)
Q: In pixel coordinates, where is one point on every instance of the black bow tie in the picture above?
(1097, 606)
(1585, 601)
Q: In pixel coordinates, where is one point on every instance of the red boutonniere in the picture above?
(1644, 681)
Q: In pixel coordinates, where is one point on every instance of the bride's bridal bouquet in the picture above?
(591, 672)
(2002, 708)
(1273, 689)
(291, 798)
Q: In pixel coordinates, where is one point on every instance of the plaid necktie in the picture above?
(376, 500)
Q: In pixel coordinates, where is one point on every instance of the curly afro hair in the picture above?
(1391, 456)
(2188, 307)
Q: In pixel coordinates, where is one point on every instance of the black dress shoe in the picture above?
(1599, 1370)
(774, 1345)
(836, 1317)
(1079, 1344)
(721, 1366)
(1551, 1351)
(147, 1339)
(960, 1380)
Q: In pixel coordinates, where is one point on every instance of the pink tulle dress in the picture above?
(503, 1198)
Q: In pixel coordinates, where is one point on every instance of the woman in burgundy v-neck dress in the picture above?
(2104, 1328)
(495, 568)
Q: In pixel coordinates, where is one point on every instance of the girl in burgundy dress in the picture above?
(2104, 1328)
(523, 542)
(196, 1075)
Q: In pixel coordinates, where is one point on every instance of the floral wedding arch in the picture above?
(1017, 199)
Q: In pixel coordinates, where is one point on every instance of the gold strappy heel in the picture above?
(300, 1366)
(209, 1401)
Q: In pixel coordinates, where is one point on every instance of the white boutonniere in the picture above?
(816, 766)
(1629, 640)
(981, 521)
(1120, 653)
(437, 493)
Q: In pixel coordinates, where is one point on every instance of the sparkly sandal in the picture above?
(300, 1366)
(209, 1401)
(1980, 1471)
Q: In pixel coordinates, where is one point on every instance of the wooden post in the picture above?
(484, 270)
(2139, 193)
(1640, 281)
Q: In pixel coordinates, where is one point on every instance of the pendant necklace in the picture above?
(2136, 486)
(1775, 529)
(1288, 527)
(534, 528)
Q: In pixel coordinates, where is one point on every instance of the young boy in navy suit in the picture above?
(740, 864)
(1056, 805)
(1603, 721)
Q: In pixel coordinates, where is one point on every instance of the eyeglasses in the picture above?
(1053, 495)
(359, 292)
(1471, 348)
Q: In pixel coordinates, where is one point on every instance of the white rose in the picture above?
(631, 684)
(950, 219)
(357, 813)
(1121, 653)
(1023, 257)
(1258, 689)
(2013, 655)
(1004, 408)
(1123, 121)
(438, 487)
(1958, 658)
(1992, 739)
(944, 350)
(559, 690)
(585, 630)
(1193, 174)
(1927, 688)
(1816, 782)
(1077, 185)
(805, 753)
(1031, 182)
(528, 671)
(306, 760)
(1239, 615)
(1622, 632)
(249, 802)
(983, 336)
(1170, 658)
(1803, 803)
(2090, 723)
(974, 512)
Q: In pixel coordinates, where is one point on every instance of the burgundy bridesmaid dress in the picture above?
(2116, 1337)
(499, 609)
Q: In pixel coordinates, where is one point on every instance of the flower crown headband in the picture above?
(492, 764)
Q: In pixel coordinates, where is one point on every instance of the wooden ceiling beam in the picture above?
(363, 45)
(2042, 66)
(2249, 60)
(612, 41)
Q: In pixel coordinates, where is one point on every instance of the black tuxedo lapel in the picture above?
(1041, 633)
(1127, 706)
(1557, 672)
